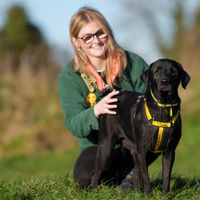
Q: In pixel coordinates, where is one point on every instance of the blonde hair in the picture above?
(115, 55)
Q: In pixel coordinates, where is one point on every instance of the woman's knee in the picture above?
(84, 167)
(82, 179)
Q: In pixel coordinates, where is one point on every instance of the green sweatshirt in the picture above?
(79, 118)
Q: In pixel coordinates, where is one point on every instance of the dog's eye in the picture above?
(174, 72)
(158, 70)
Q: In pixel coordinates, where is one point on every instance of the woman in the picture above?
(99, 63)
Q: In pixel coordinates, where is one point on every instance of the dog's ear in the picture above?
(185, 78)
(145, 77)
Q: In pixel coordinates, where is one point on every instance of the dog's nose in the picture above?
(165, 81)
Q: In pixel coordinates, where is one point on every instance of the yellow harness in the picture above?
(159, 124)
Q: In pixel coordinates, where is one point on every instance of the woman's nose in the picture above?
(96, 39)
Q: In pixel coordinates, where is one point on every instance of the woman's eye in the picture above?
(100, 34)
(87, 38)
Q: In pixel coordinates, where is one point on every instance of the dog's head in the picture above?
(163, 78)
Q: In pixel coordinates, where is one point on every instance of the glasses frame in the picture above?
(100, 34)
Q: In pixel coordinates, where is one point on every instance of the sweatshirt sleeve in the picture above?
(78, 118)
(137, 68)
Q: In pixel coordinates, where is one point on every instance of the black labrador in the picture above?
(147, 125)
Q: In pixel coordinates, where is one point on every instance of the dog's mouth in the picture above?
(164, 88)
(165, 91)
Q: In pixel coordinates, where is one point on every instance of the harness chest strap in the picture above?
(159, 139)
(159, 124)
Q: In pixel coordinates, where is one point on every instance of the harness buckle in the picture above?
(150, 121)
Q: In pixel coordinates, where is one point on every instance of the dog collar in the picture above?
(161, 104)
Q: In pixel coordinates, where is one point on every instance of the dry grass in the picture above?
(30, 116)
(31, 120)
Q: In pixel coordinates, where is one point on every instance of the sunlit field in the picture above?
(38, 154)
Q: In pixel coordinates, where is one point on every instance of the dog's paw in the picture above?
(94, 182)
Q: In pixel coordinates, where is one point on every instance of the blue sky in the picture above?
(53, 16)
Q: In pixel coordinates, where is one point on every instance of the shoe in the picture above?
(127, 183)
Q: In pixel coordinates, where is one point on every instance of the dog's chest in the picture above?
(160, 124)
(159, 139)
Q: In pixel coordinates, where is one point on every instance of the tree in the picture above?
(186, 41)
(165, 22)
(19, 35)
(175, 49)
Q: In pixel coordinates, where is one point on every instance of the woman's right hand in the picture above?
(106, 104)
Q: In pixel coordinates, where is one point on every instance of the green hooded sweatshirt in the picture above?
(79, 118)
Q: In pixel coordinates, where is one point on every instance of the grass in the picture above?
(49, 176)
(62, 187)
(51, 163)
(31, 120)
(34, 165)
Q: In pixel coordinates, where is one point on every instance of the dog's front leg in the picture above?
(142, 166)
(167, 164)
(103, 153)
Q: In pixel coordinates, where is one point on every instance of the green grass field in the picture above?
(34, 165)
(49, 176)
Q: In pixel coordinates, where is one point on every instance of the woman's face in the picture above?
(92, 40)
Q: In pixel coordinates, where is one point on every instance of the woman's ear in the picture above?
(75, 42)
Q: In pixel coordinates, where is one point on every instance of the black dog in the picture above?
(147, 125)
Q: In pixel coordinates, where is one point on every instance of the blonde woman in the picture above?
(99, 63)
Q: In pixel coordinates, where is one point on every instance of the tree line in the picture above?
(22, 42)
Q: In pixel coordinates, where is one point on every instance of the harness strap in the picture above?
(161, 104)
(175, 117)
(158, 123)
(159, 139)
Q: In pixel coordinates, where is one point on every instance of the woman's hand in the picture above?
(105, 105)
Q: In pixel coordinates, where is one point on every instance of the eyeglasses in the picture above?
(88, 38)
